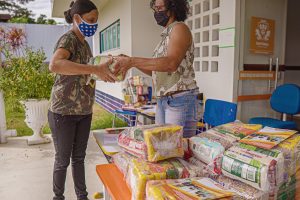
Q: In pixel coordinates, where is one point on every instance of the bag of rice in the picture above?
(241, 190)
(297, 195)
(122, 160)
(260, 170)
(291, 152)
(285, 191)
(210, 170)
(141, 171)
(132, 146)
(205, 149)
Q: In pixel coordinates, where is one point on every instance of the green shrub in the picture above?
(26, 77)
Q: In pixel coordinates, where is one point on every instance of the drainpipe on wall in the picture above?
(4, 133)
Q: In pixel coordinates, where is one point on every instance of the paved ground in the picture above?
(26, 171)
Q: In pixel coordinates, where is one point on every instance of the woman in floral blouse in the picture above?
(171, 67)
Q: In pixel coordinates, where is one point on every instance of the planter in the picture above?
(36, 119)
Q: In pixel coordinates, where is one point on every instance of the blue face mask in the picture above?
(87, 29)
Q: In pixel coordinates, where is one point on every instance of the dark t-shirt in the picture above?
(70, 94)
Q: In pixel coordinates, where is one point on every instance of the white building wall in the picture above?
(145, 31)
(41, 36)
(213, 26)
(270, 9)
(112, 11)
(292, 42)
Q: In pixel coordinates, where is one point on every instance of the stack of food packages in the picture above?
(153, 152)
(235, 160)
(291, 177)
(208, 152)
(265, 161)
(136, 91)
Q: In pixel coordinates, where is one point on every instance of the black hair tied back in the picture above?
(68, 16)
(71, 4)
(79, 7)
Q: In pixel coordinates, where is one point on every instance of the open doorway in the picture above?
(292, 50)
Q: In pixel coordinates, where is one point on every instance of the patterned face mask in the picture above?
(87, 29)
(161, 18)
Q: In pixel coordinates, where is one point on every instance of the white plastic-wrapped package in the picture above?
(132, 146)
(263, 171)
(286, 190)
(211, 170)
(205, 149)
(122, 160)
(291, 151)
(186, 189)
(137, 132)
(153, 143)
(241, 190)
(297, 195)
(226, 141)
(141, 171)
(277, 155)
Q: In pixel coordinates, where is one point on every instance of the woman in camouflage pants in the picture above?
(70, 111)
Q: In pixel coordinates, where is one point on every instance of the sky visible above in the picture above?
(42, 7)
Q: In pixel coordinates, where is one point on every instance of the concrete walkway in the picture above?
(26, 171)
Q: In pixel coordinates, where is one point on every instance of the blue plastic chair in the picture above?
(285, 99)
(131, 116)
(217, 112)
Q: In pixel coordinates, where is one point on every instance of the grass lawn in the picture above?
(15, 120)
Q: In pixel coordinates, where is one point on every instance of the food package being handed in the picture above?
(238, 129)
(122, 160)
(241, 190)
(98, 60)
(153, 143)
(141, 171)
(291, 152)
(205, 150)
(187, 189)
(261, 169)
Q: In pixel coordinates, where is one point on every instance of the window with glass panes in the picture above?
(110, 37)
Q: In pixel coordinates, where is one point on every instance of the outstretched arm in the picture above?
(180, 41)
(61, 65)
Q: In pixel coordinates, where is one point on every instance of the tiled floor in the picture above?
(26, 171)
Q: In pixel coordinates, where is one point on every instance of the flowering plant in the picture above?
(25, 74)
(12, 41)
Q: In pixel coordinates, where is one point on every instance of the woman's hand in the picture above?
(103, 72)
(123, 64)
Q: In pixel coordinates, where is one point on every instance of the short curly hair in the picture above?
(180, 8)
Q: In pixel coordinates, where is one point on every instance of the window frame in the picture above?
(109, 37)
